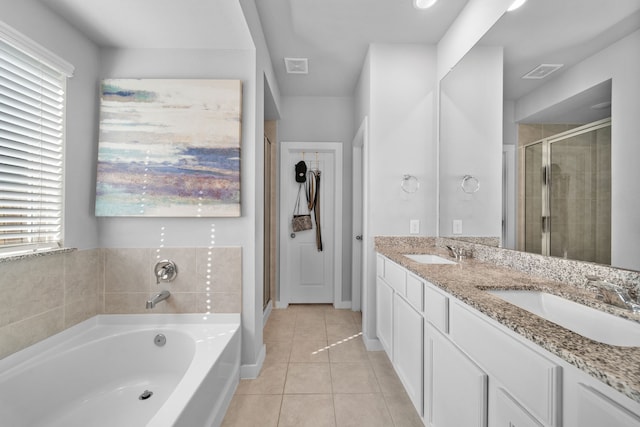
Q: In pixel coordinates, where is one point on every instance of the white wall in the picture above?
(156, 63)
(38, 23)
(621, 63)
(397, 91)
(402, 137)
(83, 230)
(325, 119)
(195, 232)
(471, 107)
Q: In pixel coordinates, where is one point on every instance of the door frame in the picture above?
(359, 220)
(334, 148)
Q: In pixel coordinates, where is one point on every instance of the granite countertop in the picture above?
(618, 367)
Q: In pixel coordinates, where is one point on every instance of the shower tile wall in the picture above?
(46, 294)
(580, 197)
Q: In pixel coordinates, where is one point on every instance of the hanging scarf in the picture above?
(313, 200)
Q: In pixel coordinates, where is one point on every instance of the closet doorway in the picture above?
(567, 194)
(269, 270)
(310, 272)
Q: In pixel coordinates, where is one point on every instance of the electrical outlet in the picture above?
(457, 226)
(414, 226)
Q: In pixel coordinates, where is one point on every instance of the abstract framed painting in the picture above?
(169, 148)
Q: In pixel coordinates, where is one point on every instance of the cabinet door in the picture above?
(457, 388)
(407, 349)
(509, 413)
(597, 410)
(384, 315)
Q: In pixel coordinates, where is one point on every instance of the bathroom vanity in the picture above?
(456, 345)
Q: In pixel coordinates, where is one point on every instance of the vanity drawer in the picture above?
(530, 377)
(415, 287)
(395, 276)
(436, 308)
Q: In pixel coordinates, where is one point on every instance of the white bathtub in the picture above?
(94, 373)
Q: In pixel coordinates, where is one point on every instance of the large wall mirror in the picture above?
(554, 154)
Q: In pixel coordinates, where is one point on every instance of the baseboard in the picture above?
(372, 344)
(280, 304)
(266, 313)
(251, 372)
(342, 305)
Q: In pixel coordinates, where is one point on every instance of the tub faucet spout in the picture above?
(157, 298)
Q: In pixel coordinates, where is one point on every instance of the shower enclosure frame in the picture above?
(545, 180)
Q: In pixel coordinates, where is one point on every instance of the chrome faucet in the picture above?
(459, 253)
(453, 251)
(614, 294)
(165, 271)
(157, 298)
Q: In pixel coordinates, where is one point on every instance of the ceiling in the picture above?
(150, 24)
(561, 32)
(557, 32)
(335, 34)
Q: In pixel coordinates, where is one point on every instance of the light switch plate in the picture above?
(457, 226)
(414, 226)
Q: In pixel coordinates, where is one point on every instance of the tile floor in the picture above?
(318, 373)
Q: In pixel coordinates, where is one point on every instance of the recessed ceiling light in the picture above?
(542, 71)
(602, 105)
(423, 4)
(516, 4)
(296, 65)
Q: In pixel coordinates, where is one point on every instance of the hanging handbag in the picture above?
(300, 222)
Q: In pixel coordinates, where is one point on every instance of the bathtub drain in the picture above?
(160, 340)
(145, 395)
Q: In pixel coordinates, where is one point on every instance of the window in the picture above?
(32, 107)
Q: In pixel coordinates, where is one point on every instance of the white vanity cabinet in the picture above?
(462, 368)
(528, 378)
(509, 413)
(595, 409)
(407, 348)
(400, 324)
(456, 391)
(384, 315)
(590, 403)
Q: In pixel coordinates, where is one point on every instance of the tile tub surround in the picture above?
(467, 281)
(47, 293)
(209, 280)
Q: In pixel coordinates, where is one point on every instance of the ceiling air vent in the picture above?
(542, 71)
(296, 65)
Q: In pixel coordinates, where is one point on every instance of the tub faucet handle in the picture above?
(165, 271)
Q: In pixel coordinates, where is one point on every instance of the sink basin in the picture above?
(587, 321)
(429, 259)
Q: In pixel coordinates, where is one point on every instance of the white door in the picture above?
(310, 275)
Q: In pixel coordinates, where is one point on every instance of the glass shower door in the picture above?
(567, 194)
(580, 196)
(534, 197)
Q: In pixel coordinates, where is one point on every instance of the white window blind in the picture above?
(32, 105)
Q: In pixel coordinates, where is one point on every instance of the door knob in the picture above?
(359, 237)
(293, 235)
